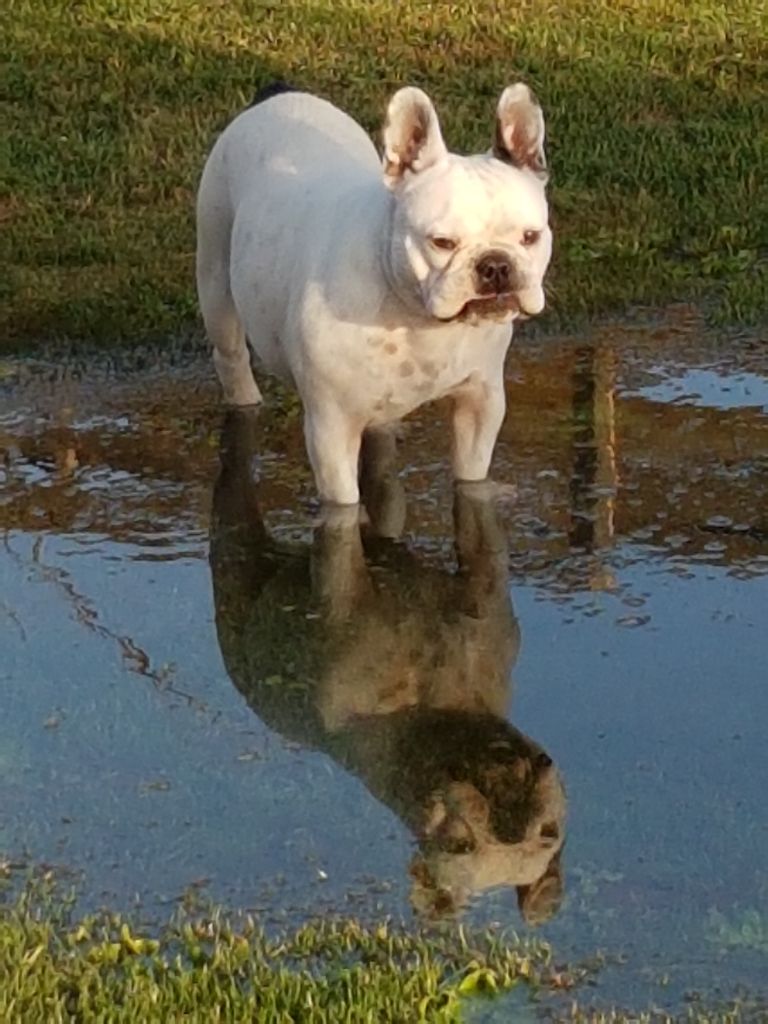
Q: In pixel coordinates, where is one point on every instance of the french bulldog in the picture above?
(372, 285)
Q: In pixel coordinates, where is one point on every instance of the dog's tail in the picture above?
(273, 89)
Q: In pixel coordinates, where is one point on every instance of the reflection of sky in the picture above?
(651, 700)
(659, 731)
(657, 726)
(709, 389)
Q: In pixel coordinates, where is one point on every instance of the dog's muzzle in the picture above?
(500, 292)
(497, 283)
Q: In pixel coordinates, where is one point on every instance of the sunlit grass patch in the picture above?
(655, 108)
(103, 969)
(214, 967)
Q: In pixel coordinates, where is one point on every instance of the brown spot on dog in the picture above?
(390, 347)
(406, 369)
(429, 369)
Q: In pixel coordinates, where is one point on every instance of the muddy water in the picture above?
(547, 712)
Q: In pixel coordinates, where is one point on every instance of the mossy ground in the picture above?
(655, 108)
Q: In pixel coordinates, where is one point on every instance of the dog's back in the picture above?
(282, 141)
(290, 151)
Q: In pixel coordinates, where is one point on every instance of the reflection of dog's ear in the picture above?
(541, 900)
(412, 137)
(519, 138)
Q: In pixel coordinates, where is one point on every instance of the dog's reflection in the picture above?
(397, 669)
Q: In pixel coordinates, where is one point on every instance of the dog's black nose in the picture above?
(494, 273)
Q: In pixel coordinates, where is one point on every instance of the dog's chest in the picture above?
(400, 371)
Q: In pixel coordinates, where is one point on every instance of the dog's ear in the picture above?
(412, 137)
(519, 138)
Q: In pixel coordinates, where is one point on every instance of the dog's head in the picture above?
(470, 233)
(505, 826)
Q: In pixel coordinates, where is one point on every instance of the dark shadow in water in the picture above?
(397, 669)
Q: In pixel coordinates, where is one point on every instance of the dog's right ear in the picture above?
(519, 136)
(412, 137)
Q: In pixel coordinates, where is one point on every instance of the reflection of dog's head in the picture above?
(473, 232)
(494, 817)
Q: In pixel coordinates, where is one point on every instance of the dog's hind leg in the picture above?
(222, 323)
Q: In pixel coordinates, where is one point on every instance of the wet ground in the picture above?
(547, 714)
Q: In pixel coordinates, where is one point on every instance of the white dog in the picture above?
(372, 291)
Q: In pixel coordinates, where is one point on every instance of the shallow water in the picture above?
(300, 724)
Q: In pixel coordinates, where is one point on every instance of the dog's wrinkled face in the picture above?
(470, 234)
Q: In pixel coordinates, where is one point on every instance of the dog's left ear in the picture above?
(412, 137)
(519, 138)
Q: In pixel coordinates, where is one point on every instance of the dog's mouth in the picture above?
(489, 307)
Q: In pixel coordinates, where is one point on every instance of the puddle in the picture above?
(207, 690)
(709, 389)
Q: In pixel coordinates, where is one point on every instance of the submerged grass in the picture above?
(656, 118)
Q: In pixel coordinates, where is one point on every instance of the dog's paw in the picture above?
(245, 394)
(487, 490)
(332, 516)
(233, 405)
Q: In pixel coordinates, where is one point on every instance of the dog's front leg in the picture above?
(333, 444)
(478, 413)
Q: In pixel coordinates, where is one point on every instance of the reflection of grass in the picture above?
(655, 112)
(748, 930)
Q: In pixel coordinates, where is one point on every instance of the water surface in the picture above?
(546, 714)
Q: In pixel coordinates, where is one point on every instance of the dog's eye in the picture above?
(531, 237)
(440, 242)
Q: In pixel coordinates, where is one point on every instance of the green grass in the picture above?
(209, 970)
(656, 122)
(206, 970)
